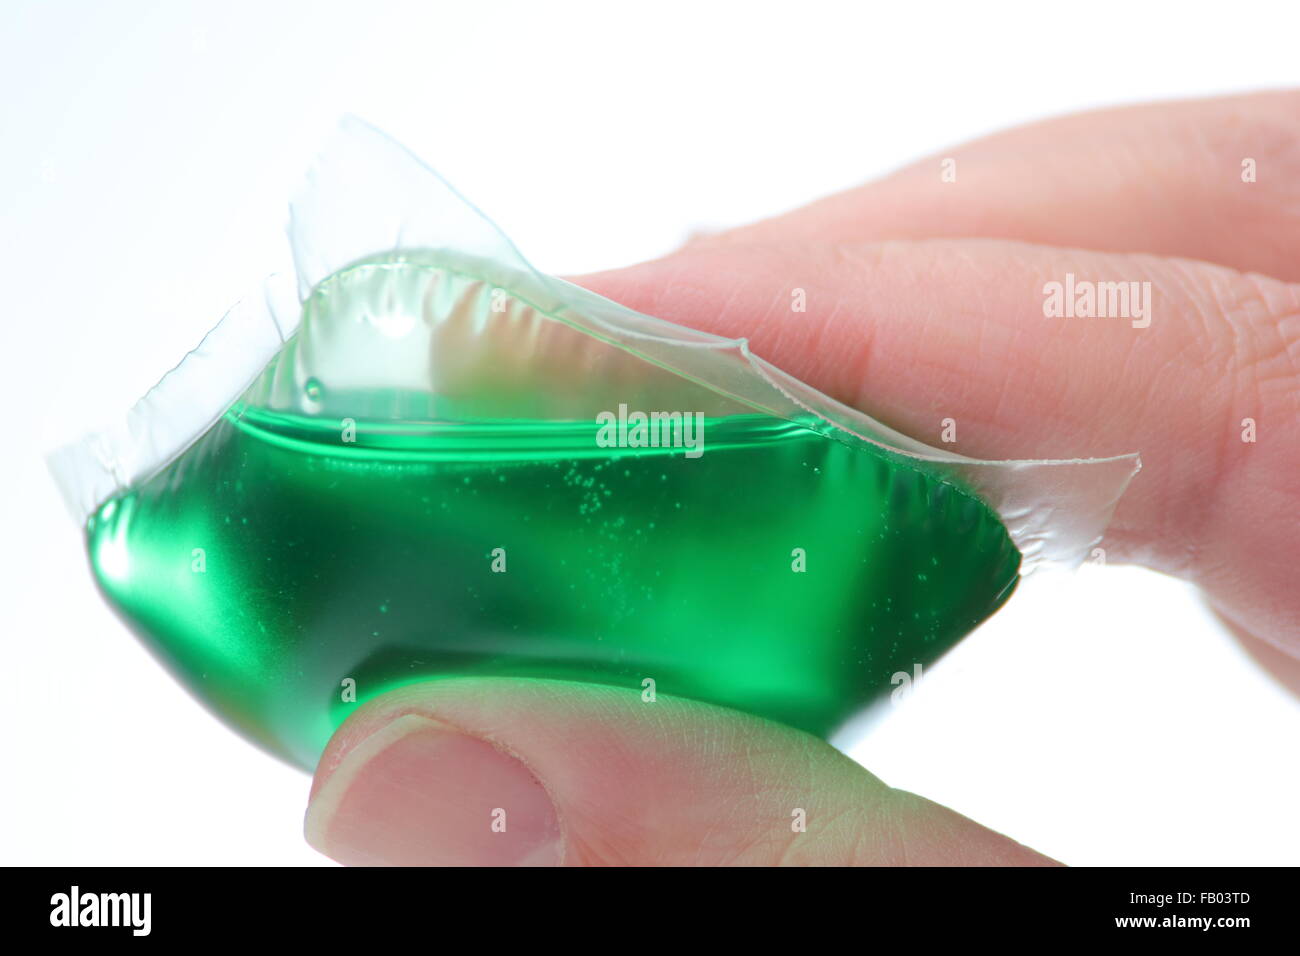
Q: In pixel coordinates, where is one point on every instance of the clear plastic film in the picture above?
(368, 197)
(414, 312)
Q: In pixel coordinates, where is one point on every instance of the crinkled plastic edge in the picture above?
(182, 406)
(367, 195)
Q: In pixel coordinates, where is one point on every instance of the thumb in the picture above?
(530, 772)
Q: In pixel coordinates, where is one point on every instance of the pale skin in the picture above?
(923, 302)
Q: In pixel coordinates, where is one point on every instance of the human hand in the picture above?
(925, 300)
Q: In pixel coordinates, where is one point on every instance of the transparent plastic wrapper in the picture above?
(432, 460)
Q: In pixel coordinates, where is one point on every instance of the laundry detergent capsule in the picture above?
(438, 462)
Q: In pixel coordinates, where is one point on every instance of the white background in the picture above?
(148, 151)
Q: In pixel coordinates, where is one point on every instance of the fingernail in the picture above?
(420, 793)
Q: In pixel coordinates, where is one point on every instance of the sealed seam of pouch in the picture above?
(367, 199)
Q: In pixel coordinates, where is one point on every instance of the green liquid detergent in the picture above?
(330, 533)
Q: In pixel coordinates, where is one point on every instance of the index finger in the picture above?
(918, 332)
